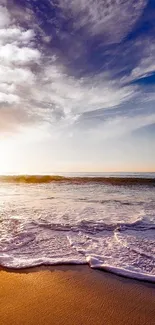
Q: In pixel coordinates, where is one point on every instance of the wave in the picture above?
(28, 249)
(37, 179)
(107, 201)
(97, 264)
(92, 227)
(93, 262)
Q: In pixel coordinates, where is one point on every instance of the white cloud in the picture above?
(4, 17)
(146, 65)
(9, 98)
(8, 88)
(117, 127)
(73, 96)
(11, 53)
(16, 76)
(114, 18)
(16, 35)
(49, 93)
(123, 125)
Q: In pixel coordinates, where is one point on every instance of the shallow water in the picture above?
(107, 226)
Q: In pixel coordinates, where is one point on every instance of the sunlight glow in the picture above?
(6, 156)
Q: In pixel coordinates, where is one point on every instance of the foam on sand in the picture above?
(97, 264)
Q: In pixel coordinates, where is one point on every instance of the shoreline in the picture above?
(73, 295)
(122, 273)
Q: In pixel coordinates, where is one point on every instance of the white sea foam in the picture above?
(97, 264)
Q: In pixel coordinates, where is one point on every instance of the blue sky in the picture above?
(77, 85)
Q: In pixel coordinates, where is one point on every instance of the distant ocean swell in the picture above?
(36, 179)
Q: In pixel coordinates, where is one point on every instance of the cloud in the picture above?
(112, 18)
(73, 96)
(17, 57)
(16, 35)
(9, 98)
(37, 85)
(11, 118)
(145, 66)
(68, 72)
(11, 53)
(16, 76)
(4, 17)
(42, 87)
(124, 125)
(117, 127)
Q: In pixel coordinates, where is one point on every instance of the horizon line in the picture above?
(77, 172)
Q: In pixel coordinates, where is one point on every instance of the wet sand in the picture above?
(74, 295)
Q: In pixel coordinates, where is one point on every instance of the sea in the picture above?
(105, 220)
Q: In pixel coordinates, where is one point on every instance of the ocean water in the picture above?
(107, 224)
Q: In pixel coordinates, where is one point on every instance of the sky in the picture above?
(77, 86)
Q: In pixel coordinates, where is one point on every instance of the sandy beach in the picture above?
(70, 295)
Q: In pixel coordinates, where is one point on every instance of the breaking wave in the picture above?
(36, 179)
(91, 227)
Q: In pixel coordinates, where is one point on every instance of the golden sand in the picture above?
(74, 295)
